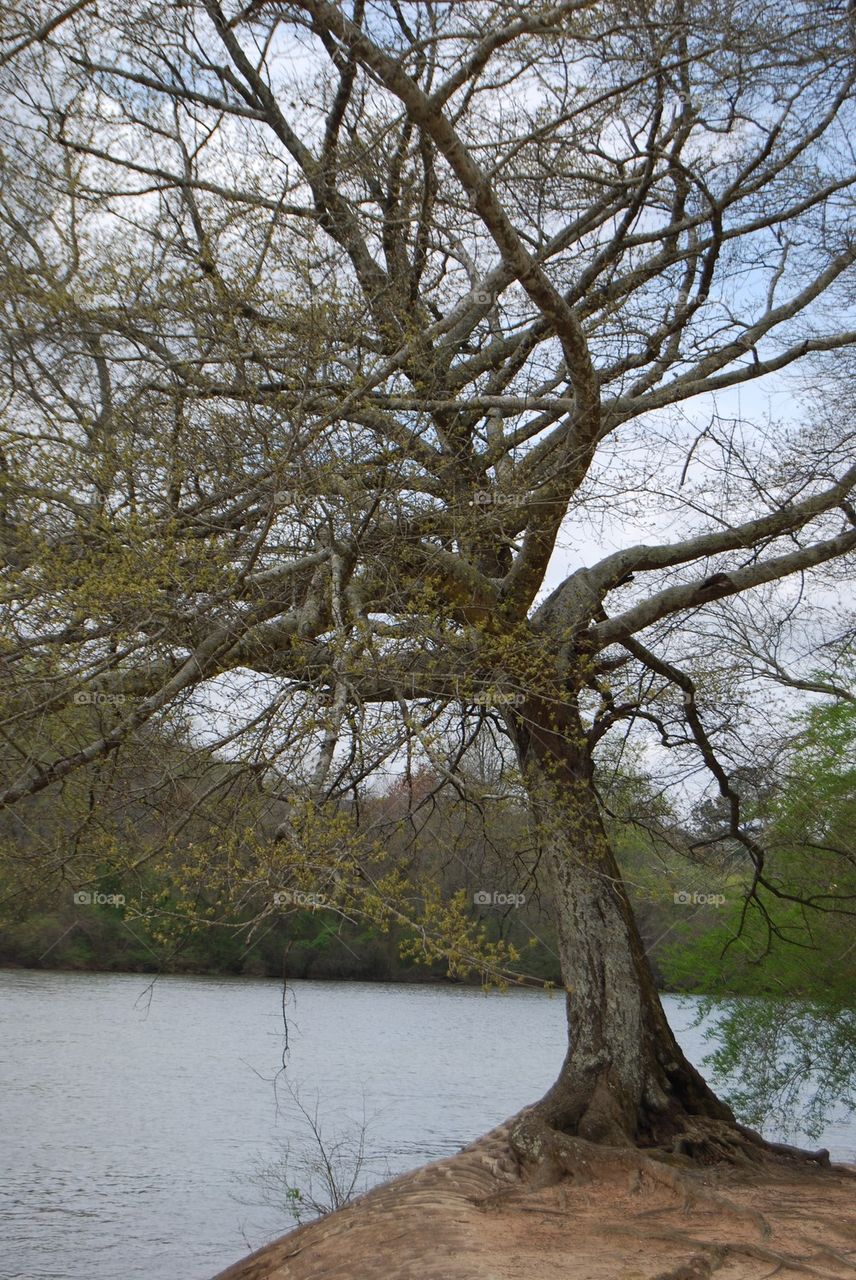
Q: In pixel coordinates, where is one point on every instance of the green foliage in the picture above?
(796, 938)
(786, 1042)
(199, 879)
(786, 1064)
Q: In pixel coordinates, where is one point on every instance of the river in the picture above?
(135, 1118)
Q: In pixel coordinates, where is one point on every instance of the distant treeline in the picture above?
(168, 859)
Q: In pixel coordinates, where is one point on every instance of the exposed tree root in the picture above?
(701, 1140)
(549, 1156)
(699, 1267)
(719, 1251)
(821, 1156)
(827, 1251)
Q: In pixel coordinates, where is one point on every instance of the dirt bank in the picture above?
(474, 1217)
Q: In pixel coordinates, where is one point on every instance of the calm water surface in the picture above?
(134, 1118)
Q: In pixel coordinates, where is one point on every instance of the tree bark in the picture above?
(625, 1078)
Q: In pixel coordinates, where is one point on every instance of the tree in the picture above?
(325, 326)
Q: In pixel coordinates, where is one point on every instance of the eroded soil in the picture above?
(474, 1217)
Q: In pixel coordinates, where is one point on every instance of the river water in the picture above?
(135, 1119)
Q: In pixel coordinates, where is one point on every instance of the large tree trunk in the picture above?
(624, 1079)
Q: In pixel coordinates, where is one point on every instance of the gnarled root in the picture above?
(717, 1253)
(548, 1156)
(821, 1156)
(706, 1151)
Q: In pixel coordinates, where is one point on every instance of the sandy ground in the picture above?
(470, 1217)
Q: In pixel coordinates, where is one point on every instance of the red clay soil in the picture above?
(474, 1217)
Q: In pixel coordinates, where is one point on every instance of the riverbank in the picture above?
(474, 1217)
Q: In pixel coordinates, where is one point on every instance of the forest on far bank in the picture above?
(188, 870)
